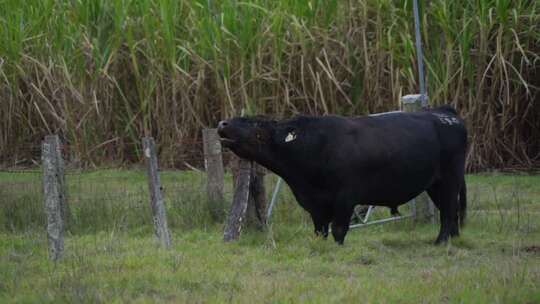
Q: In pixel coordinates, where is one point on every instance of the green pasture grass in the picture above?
(495, 260)
(118, 199)
(381, 264)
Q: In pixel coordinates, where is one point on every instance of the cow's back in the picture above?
(390, 157)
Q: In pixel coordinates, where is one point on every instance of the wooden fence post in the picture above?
(424, 210)
(64, 204)
(156, 199)
(256, 210)
(240, 202)
(53, 195)
(213, 164)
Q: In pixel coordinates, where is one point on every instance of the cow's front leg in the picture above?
(339, 230)
(340, 224)
(321, 225)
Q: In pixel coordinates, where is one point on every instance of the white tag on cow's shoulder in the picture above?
(290, 137)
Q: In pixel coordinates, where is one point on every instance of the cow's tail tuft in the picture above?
(462, 203)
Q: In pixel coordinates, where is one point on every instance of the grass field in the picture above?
(496, 260)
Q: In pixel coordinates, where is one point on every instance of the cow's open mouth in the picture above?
(224, 139)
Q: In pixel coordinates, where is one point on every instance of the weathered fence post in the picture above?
(65, 208)
(213, 163)
(256, 209)
(53, 194)
(156, 198)
(240, 202)
(423, 210)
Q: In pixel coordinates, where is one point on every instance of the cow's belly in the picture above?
(396, 184)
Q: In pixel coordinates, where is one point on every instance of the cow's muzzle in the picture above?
(222, 132)
(222, 124)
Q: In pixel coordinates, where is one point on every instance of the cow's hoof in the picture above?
(441, 240)
(339, 242)
(454, 232)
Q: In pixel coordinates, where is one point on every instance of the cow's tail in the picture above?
(462, 203)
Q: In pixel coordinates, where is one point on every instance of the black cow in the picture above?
(333, 163)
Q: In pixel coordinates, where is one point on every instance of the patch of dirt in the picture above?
(535, 249)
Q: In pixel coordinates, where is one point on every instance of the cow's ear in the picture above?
(284, 134)
(289, 135)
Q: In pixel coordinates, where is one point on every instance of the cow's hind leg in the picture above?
(444, 195)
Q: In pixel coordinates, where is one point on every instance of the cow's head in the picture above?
(247, 137)
(274, 144)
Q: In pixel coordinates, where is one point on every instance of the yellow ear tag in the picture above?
(290, 137)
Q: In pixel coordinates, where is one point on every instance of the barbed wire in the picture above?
(22, 171)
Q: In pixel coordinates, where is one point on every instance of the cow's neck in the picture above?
(289, 171)
(273, 165)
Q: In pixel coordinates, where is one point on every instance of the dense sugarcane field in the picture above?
(111, 254)
(102, 74)
(105, 73)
